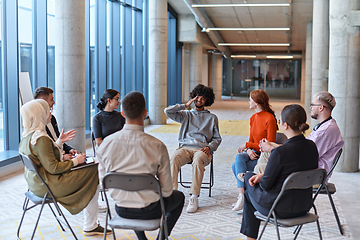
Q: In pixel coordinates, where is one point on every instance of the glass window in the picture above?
(92, 59)
(1, 93)
(25, 36)
(51, 43)
(279, 78)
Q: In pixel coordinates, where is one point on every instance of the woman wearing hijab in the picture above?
(75, 190)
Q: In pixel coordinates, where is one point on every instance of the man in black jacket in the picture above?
(53, 129)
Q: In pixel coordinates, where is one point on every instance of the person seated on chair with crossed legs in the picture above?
(75, 190)
(261, 190)
(199, 137)
(133, 151)
(326, 134)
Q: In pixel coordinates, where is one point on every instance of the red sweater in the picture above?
(262, 125)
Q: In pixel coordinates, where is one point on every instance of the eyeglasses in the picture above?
(118, 99)
(314, 104)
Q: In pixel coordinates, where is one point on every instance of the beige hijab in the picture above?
(34, 115)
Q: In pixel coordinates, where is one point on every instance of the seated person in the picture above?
(107, 121)
(52, 128)
(296, 154)
(133, 151)
(199, 137)
(262, 125)
(326, 134)
(74, 190)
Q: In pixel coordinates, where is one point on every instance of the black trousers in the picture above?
(173, 207)
(250, 224)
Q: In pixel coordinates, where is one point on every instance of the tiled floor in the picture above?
(214, 220)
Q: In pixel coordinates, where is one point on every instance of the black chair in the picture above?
(207, 185)
(93, 142)
(330, 189)
(47, 199)
(134, 182)
(296, 180)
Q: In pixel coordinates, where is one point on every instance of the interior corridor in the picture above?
(214, 219)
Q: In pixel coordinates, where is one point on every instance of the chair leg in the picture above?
(66, 221)
(37, 221)
(26, 202)
(56, 217)
(334, 210)
(297, 231)
(318, 225)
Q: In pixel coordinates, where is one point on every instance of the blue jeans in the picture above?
(242, 164)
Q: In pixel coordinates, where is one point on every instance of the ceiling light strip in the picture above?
(279, 56)
(246, 29)
(255, 44)
(242, 5)
(243, 56)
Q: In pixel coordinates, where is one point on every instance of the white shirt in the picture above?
(131, 150)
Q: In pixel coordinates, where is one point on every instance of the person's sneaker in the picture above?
(241, 176)
(239, 203)
(99, 230)
(102, 209)
(193, 205)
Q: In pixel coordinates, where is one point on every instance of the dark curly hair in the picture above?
(206, 92)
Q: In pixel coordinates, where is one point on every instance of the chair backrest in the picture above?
(280, 138)
(304, 179)
(131, 182)
(301, 180)
(93, 141)
(336, 160)
(29, 164)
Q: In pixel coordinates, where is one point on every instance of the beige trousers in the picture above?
(199, 159)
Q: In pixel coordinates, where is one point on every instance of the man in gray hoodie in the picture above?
(199, 137)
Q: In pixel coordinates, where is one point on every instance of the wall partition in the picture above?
(280, 78)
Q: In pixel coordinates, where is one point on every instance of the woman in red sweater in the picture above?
(262, 125)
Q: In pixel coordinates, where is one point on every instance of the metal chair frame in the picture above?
(296, 180)
(330, 189)
(47, 199)
(134, 182)
(208, 185)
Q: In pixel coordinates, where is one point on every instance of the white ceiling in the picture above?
(296, 16)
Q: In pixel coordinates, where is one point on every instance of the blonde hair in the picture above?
(327, 98)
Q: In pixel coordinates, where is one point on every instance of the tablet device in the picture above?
(88, 162)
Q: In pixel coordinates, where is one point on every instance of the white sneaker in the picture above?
(241, 176)
(239, 203)
(193, 205)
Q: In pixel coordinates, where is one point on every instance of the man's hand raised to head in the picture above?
(187, 105)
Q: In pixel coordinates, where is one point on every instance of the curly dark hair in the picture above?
(206, 92)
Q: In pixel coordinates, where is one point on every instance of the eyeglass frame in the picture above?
(315, 104)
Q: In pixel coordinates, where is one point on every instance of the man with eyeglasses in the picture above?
(326, 134)
(52, 128)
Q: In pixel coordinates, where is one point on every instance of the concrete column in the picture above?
(70, 68)
(344, 81)
(308, 69)
(216, 76)
(195, 65)
(157, 60)
(320, 48)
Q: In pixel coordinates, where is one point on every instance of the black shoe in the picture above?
(99, 230)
